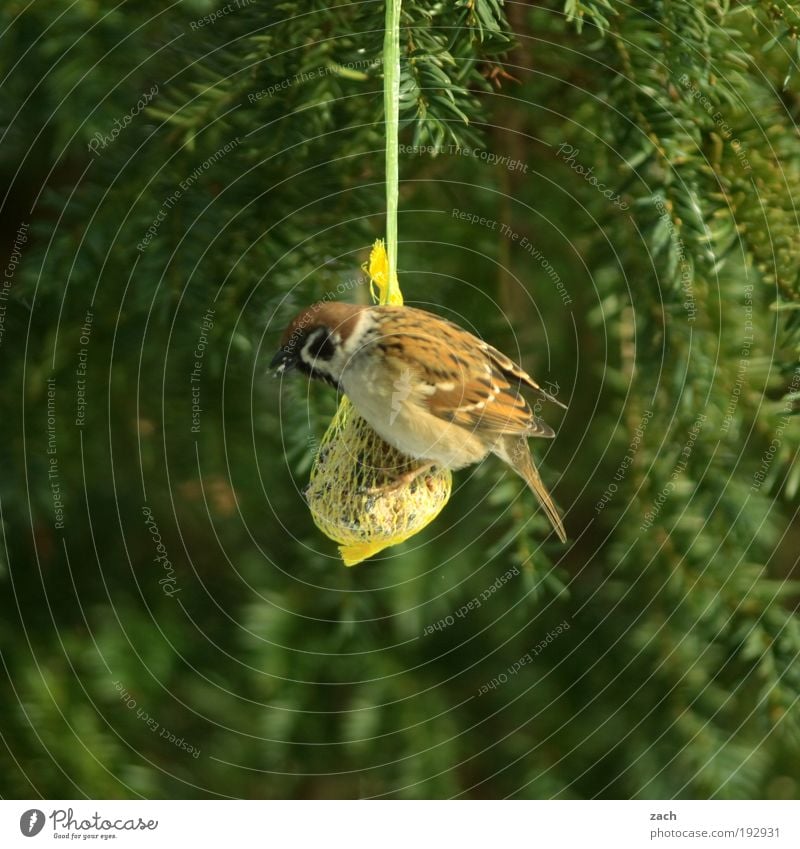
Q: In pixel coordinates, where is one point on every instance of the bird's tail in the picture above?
(517, 454)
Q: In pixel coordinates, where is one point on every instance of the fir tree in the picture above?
(605, 191)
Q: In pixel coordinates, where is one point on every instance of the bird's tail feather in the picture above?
(516, 453)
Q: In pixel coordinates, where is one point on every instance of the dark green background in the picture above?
(291, 675)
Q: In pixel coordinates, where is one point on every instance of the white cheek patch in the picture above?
(355, 343)
(308, 356)
(360, 333)
(305, 351)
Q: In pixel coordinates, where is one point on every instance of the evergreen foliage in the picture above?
(636, 167)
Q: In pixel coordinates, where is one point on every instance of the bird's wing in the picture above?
(512, 370)
(489, 403)
(476, 391)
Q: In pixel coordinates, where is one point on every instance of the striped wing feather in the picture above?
(483, 394)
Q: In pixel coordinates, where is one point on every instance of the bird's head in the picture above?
(320, 340)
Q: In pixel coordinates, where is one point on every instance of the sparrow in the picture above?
(431, 389)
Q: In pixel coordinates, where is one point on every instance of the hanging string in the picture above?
(391, 108)
(353, 461)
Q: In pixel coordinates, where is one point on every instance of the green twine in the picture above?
(391, 104)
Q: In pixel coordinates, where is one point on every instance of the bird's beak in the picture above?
(285, 360)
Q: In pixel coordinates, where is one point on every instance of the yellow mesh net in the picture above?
(348, 494)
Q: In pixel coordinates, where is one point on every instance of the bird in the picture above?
(428, 387)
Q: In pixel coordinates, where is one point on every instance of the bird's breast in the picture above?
(393, 405)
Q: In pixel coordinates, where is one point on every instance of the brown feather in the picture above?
(511, 368)
(517, 454)
(334, 315)
(473, 385)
